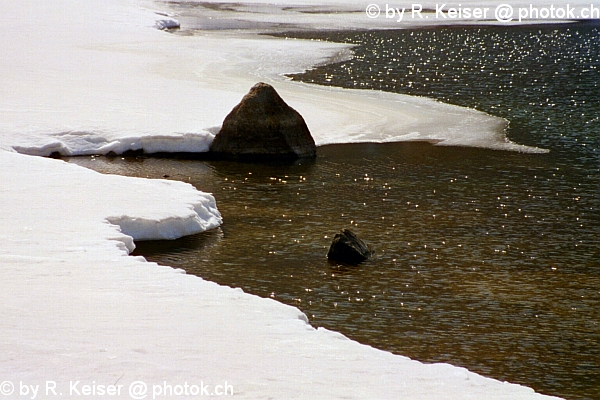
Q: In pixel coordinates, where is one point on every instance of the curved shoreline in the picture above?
(77, 307)
(163, 101)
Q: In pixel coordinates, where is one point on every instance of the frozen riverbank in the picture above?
(78, 312)
(95, 84)
(76, 308)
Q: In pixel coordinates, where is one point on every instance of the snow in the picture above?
(79, 313)
(168, 24)
(134, 87)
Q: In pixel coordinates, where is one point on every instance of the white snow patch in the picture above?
(168, 24)
(136, 88)
(73, 200)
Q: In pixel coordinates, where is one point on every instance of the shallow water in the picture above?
(484, 259)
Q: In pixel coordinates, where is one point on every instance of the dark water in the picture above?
(545, 80)
(488, 260)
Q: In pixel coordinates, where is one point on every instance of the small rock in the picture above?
(262, 126)
(349, 248)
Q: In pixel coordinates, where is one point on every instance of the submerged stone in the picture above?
(262, 125)
(349, 248)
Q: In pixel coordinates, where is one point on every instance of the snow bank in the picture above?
(81, 318)
(82, 83)
(54, 197)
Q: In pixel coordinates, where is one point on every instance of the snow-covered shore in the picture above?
(78, 82)
(78, 313)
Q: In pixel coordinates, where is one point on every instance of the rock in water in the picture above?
(348, 248)
(261, 126)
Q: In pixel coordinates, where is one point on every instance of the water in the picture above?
(545, 80)
(484, 259)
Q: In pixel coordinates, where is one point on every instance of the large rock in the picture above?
(262, 125)
(349, 248)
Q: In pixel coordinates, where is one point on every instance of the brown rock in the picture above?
(263, 125)
(348, 248)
